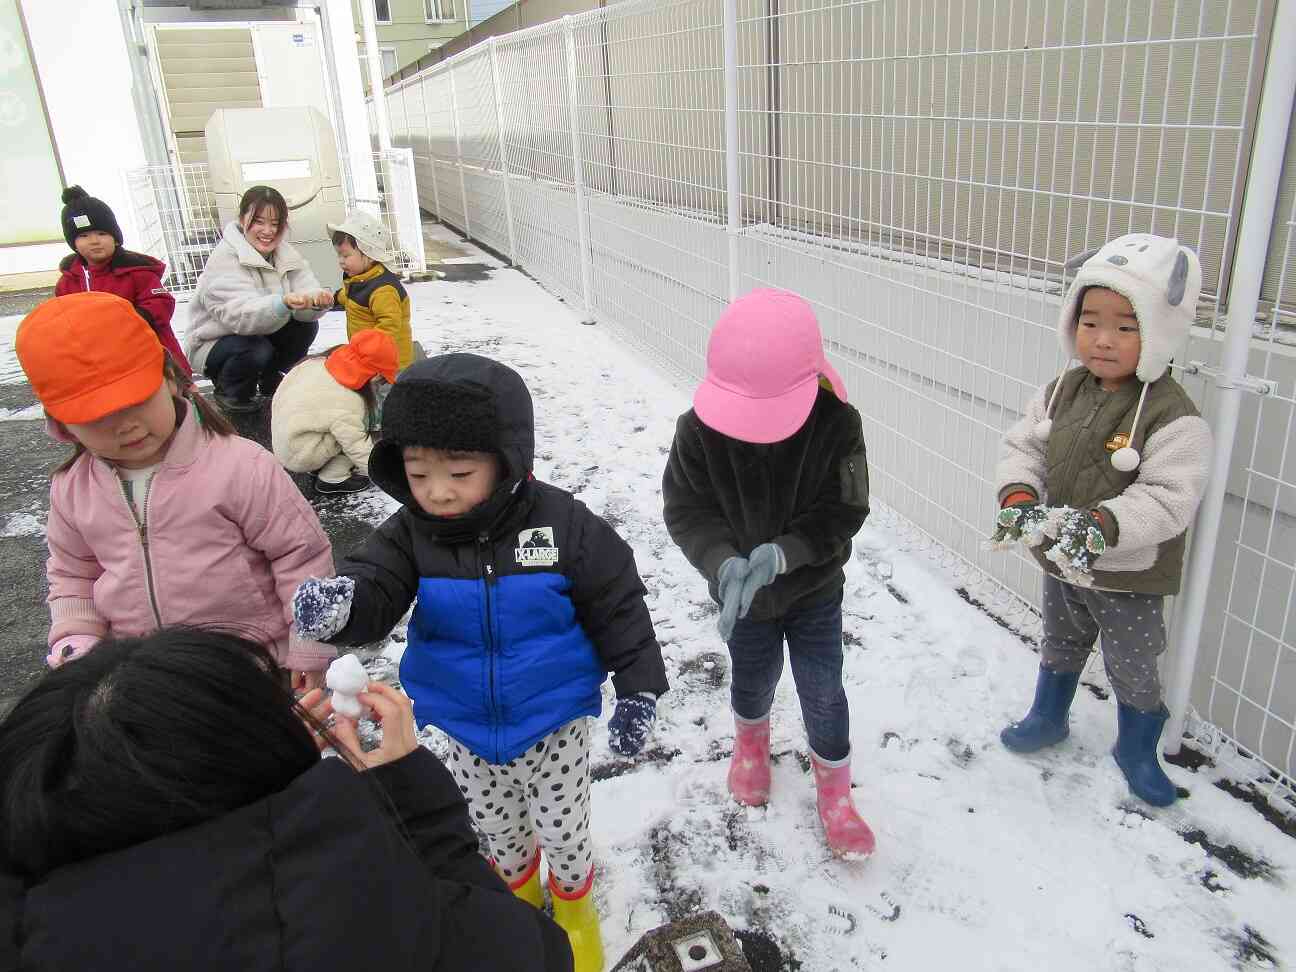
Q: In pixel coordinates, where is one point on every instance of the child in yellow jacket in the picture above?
(372, 296)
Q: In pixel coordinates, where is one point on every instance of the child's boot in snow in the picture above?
(848, 834)
(1046, 722)
(577, 916)
(527, 886)
(1137, 740)
(749, 769)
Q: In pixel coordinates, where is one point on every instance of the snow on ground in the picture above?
(986, 860)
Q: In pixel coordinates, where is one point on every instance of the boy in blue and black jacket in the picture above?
(524, 601)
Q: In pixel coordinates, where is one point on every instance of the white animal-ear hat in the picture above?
(1161, 279)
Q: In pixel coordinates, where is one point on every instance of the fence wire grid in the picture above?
(921, 171)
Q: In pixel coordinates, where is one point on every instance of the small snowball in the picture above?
(347, 678)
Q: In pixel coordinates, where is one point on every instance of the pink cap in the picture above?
(764, 361)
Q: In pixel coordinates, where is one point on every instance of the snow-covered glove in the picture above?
(631, 722)
(765, 563)
(1019, 521)
(70, 648)
(322, 607)
(1080, 542)
(730, 581)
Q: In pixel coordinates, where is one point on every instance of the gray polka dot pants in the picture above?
(539, 800)
(1133, 636)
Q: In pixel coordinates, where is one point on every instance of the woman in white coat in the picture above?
(256, 310)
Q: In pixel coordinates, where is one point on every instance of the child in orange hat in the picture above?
(324, 414)
(211, 531)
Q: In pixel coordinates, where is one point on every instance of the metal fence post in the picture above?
(463, 190)
(578, 173)
(733, 186)
(499, 127)
(432, 159)
(1276, 100)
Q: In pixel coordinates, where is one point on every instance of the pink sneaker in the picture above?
(848, 835)
(749, 769)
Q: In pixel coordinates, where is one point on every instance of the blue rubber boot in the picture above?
(1137, 741)
(1046, 722)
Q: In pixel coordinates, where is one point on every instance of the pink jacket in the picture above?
(225, 541)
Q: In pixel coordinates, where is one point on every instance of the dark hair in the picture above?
(339, 238)
(261, 197)
(143, 737)
(209, 416)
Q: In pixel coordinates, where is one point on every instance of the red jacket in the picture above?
(136, 277)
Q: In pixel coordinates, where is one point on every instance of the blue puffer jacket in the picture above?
(522, 607)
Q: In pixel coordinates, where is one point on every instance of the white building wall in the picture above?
(81, 59)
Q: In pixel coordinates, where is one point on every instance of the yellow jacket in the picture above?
(376, 299)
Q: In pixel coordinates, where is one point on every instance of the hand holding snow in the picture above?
(1080, 542)
(322, 607)
(347, 678)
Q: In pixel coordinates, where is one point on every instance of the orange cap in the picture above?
(369, 353)
(88, 355)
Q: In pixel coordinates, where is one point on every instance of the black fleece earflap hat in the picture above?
(457, 402)
(83, 213)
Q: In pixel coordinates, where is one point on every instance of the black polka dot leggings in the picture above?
(539, 800)
(1133, 636)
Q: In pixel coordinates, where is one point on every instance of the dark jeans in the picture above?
(238, 363)
(814, 638)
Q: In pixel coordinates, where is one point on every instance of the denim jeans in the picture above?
(238, 363)
(814, 639)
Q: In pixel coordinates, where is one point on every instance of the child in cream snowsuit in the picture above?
(324, 413)
(1120, 454)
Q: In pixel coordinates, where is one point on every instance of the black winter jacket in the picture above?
(492, 658)
(808, 493)
(314, 877)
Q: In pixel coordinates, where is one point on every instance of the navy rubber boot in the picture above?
(1046, 722)
(1137, 742)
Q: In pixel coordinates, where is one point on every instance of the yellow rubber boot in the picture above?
(577, 916)
(527, 887)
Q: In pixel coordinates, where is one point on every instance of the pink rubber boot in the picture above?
(749, 769)
(848, 834)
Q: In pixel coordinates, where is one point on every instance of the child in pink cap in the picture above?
(766, 485)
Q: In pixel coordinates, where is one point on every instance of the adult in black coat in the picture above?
(164, 805)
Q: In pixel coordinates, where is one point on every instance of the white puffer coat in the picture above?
(313, 419)
(240, 292)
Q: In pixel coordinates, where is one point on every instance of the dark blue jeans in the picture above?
(238, 363)
(814, 639)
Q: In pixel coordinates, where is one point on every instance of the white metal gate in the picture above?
(920, 170)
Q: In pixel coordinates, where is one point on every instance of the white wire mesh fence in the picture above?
(920, 170)
(175, 209)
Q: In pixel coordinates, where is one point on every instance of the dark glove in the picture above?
(1019, 521)
(730, 581)
(322, 607)
(1080, 542)
(765, 563)
(631, 722)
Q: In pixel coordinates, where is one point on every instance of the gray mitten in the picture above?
(322, 607)
(730, 582)
(765, 563)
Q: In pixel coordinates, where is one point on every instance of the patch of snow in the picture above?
(29, 413)
(23, 525)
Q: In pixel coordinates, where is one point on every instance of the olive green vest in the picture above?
(1090, 424)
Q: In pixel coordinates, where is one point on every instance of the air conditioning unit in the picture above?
(292, 150)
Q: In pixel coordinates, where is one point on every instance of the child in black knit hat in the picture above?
(99, 262)
(524, 601)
